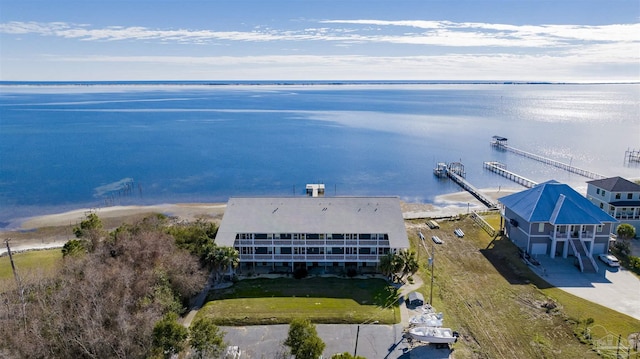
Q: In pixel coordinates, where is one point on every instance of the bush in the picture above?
(300, 273)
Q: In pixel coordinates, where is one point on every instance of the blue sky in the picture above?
(525, 40)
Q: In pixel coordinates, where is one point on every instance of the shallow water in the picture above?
(64, 147)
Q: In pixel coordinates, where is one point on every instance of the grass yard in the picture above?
(322, 300)
(497, 304)
(29, 262)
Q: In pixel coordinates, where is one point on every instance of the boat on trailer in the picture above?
(433, 335)
(427, 320)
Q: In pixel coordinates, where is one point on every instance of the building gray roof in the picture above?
(555, 203)
(616, 184)
(313, 215)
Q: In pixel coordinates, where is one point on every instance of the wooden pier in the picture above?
(500, 143)
(455, 171)
(632, 156)
(501, 169)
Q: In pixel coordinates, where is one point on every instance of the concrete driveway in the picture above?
(614, 288)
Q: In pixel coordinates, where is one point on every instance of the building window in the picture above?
(601, 205)
(599, 228)
(597, 190)
(618, 195)
(540, 227)
(629, 195)
(603, 193)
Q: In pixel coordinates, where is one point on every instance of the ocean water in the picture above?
(73, 146)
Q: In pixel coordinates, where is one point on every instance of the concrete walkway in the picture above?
(614, 288)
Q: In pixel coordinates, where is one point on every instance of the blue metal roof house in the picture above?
(553, 219)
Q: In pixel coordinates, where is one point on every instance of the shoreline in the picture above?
(53, 230)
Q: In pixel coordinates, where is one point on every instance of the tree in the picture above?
(169, 336)
(221, 258)
(409, 262)
(194, 237)
(346, 355)
(90, 229)
(106, 303)
(626, 231)
(303, 340)
(390, 265)
(74, 247)
(206, 339)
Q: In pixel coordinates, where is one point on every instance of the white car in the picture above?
(610, 260)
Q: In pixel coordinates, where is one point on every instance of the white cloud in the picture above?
(456, 51)
(438, 33)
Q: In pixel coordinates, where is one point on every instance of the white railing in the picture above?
(593, 262)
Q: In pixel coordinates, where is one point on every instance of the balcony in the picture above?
(368, 242)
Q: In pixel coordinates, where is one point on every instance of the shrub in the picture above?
(352, 272)
(300, 273)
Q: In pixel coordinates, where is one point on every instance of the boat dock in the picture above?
(501, 144)
(501, 169)
(632, 156)
(455, 171)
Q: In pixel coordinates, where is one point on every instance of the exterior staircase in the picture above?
(585, 261)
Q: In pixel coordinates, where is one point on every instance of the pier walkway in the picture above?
(632, 156)
(501, 169)
(455, 171)
(501, 144)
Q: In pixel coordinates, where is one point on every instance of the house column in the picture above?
(565, 249)
(554, 240)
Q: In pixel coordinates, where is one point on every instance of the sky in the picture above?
(226, 40)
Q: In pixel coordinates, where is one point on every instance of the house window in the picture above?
(601, 205)
(597, 190)
(618, 196)
(540, 227)
(603, 193)
(599, 228)
(629, 195)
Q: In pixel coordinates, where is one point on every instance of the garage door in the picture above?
(538, 248)
(599, 248)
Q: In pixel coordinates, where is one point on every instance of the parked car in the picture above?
(610, 260)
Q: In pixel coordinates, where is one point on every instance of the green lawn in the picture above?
(28, 262)
(322, 300)
(497, 304)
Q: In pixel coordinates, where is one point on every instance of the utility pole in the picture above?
(18, 284)
(355, 351)
(431, 260)
(13, 266)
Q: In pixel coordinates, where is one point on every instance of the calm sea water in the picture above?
(64, 147)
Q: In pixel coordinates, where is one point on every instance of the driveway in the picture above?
(374, 341)
(614, 288)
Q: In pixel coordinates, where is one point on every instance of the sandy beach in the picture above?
(53, 230)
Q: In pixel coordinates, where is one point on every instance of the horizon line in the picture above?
(304, 82)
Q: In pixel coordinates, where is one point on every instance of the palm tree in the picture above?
(387, 265)
(409, 262)
(221, 258)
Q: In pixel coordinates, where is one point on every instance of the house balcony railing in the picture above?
(628, 217)
(566, 235)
